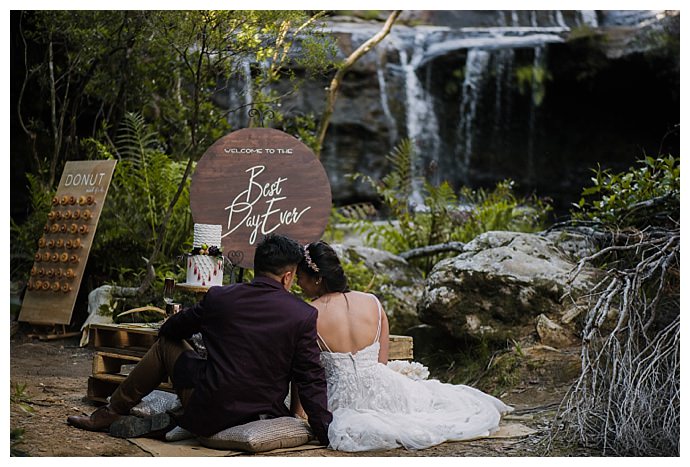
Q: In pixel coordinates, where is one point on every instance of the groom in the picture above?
(258, 337)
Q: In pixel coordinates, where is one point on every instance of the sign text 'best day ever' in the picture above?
(258, 181)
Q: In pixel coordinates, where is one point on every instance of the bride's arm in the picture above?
(384, 339)
(295, 404)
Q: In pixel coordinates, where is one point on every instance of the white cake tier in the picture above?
(204, 270)
(207, 234)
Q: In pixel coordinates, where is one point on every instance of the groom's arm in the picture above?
(310, 379)
(185, 323)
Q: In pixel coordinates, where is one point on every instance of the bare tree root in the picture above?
(627, 398)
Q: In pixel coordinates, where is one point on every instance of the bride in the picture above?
(373, 406)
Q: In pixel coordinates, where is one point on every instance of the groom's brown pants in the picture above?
(152, 370)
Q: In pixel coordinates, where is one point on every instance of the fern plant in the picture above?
(25, 235)
(445, 215)
(144, 183)
(135, 143)
(395, 190)
(646, 194)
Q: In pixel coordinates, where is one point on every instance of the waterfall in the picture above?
(560, 20)
(240, 96)
(502, 19)
(422, 125)
(503, 70)
(380, 74)
(515, 18)
(476, 68)
(589, 18)
(533, 19)
(537, 68)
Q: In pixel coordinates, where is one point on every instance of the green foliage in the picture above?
(144, 183)
(332, 234)
(446, 215)
(20, 398)
(501, 209)
(462, 365)
(532, 79)
(172, 64)
(368, 15)
(452, 86)
(303, 127)
(16, 438)
(360, 277)
(648, 194)
(584, 32)
(23, 237)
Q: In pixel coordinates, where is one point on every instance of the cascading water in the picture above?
(503, 70)
(589, 18)
(490, 64)
(558, 18)
(383, 90)
(470, 95)
(515, 18)
(537, 82)
(422, 125)
(240, 96)
(476, 69)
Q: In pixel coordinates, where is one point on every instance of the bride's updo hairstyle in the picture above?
(321, 261)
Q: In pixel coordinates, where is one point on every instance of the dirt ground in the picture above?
(48, 381)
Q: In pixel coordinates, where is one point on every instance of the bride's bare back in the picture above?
(348, 322)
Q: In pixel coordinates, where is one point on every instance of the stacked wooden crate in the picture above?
(119, 346)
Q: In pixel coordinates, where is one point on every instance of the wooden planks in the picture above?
(120, 345)
(123, 338)
(400, 348)
(108, 371)
(63, 249)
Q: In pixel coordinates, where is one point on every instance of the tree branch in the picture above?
(344, 68)
(30, 134)
(433, 249)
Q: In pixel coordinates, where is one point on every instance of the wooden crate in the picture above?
(108, 373)
(119, 345)
(135, 340)
(400, 348)
(122, 338)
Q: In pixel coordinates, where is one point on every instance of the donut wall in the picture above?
(63, 249)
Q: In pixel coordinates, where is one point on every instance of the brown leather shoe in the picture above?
(100, 420)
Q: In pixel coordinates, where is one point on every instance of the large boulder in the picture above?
(399, 284)
(498, 287)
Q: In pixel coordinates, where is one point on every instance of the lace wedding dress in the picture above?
(375, 407)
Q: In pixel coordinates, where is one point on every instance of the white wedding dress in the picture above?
(375, 407)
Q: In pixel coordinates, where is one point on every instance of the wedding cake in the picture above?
(205, 262)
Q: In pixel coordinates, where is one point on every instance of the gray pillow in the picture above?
(262, 435)
(156, 402)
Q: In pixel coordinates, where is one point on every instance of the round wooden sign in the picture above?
(258, 181)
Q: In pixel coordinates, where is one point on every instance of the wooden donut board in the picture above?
(64, 247)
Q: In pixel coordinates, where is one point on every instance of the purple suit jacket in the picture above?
(258, 337)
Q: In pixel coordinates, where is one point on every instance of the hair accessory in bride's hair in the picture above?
(312, 265)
